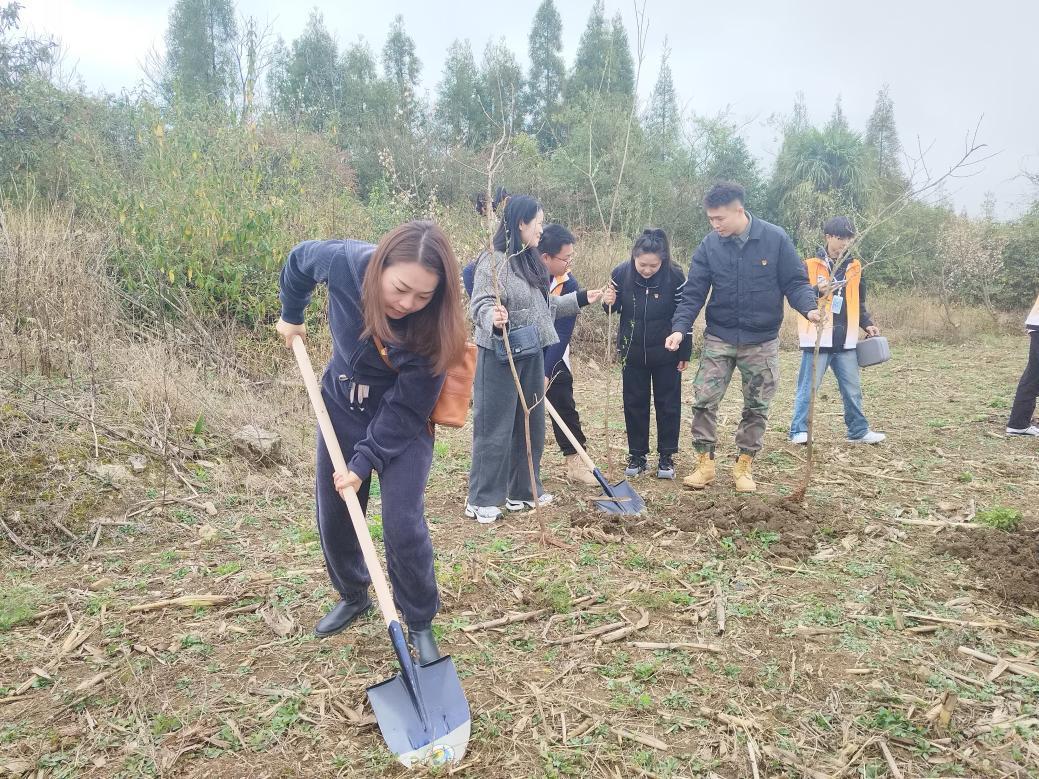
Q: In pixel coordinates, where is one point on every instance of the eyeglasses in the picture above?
(565, 260)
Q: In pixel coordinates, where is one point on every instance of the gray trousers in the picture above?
(499, 468)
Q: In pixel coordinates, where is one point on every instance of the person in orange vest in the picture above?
(1020, 422)
(838, 279)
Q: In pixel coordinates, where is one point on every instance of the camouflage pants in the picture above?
(759, 368)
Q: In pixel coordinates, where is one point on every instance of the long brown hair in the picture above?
(436, 331)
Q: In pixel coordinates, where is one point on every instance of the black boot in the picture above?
(422, 641)
(341, 616)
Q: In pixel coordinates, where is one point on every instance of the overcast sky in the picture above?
(949, 63)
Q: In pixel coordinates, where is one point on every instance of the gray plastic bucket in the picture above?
(872, 351)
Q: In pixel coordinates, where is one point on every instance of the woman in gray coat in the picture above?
(499, 472)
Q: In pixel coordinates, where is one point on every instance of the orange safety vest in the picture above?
(806, 330)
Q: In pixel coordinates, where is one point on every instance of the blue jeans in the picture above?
(845, 366)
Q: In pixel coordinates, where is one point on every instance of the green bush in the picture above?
(210, 208)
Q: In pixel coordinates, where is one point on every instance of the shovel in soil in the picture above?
(620, 498)
(422, 712)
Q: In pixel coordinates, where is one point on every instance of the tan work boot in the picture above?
(704, 473)
(578, 472)
(741, 474)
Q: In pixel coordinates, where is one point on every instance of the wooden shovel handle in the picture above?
(573, 441)
(328, 433)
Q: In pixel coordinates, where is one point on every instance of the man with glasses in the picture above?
(557, 252)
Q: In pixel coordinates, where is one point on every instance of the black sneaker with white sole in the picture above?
(636, 465)
(666, 467)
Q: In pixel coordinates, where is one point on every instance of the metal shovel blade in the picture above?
(621, 497)
(422, 712)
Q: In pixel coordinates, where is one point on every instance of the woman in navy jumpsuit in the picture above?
(405, 291)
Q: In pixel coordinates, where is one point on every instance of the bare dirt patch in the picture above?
(1007, 562)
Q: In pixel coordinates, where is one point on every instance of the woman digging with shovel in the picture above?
(403, 294)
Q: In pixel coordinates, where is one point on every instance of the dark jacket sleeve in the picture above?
(468, 277)
(865, 318)
(685, 351)
(793, 278)
(554, 353)
(402, 415)
(694, 293)
(564, 329)
(617, 277)
(306, 267)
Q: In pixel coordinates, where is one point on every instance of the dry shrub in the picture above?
(69, 341)
(55, 302)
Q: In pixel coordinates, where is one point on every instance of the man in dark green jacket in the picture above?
(748, 266)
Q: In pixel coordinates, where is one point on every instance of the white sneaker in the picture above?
(799, 438)
(519, 505)
(870, 438)
(1030, 430)
(485, 515)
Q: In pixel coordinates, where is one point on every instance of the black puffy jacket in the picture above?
(646, 307)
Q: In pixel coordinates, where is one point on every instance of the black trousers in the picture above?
(1027, 389)
(409, 551)
(561, 396)
(664, 383)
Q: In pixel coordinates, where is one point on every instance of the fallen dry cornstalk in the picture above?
(653, 645)
(1014, 668)
(623, 632)
(506, 620)
(186, 601)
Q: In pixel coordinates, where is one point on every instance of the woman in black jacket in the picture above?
(648, 289)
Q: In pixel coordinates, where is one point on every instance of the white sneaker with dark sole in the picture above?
(519, 505)
(870, 438)
(485, 515)
(1031, 430)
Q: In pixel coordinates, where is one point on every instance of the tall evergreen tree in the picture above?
(544, 89)
(622, 68)
(501, 85)
(663, 121)
(838, 121)
(458, 112)
(199, 64)
(592, 61)
(401, 67)
(882, 139)
(309, 88)
(364, 95)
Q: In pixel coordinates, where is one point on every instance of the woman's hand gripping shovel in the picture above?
(422, 712)
(620, 498)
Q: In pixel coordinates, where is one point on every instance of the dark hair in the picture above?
(553, 238)
(839, 227)
(436, 331)
(722, 193)
(521, 209)
(653, 240)
(480, 200)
